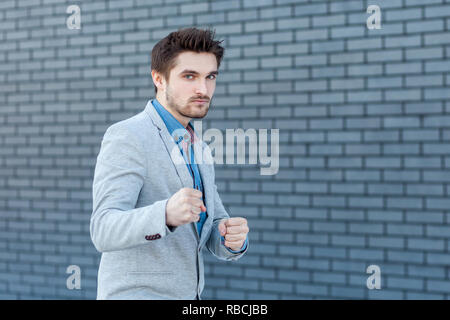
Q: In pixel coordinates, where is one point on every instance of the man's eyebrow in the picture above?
(195, 72)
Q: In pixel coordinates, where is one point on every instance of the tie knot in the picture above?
(182, 135)
(191, 133)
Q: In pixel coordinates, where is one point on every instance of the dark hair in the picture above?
(165, 52)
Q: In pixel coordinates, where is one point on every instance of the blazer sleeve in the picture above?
(215, 244)
(120, 171)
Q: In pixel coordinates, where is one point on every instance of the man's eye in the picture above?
(211, 77)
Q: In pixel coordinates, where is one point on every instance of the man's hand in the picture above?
(234, 230)
(184, 207)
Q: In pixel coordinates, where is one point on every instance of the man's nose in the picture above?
(201, 88)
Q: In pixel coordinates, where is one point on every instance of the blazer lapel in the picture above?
(171, 147)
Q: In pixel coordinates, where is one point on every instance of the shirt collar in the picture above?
(175, 128)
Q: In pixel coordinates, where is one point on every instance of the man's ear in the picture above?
(158, 79)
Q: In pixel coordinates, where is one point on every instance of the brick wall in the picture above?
(364, 119)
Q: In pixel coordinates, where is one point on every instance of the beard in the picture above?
(188, 110)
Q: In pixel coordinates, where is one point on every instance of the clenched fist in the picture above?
(234, 230)
(184, 207)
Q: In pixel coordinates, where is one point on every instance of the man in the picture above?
(155, 202)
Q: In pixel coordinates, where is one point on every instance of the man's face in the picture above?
(192, 78)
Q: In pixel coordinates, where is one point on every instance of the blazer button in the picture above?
(153, 236)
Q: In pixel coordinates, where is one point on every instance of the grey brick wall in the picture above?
(364, 119)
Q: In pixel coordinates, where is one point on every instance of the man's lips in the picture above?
(200, 100)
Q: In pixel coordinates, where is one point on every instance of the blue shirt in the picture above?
(179, 133)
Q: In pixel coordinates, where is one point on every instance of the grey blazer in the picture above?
(138, 169)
